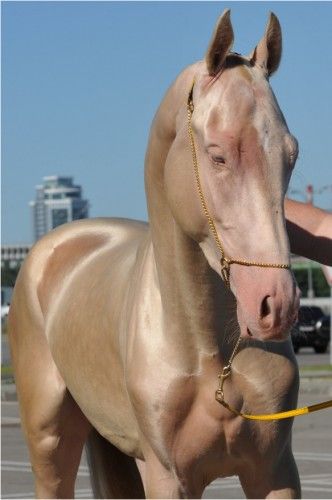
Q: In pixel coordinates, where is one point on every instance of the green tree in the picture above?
(320, 285)
(9, 275)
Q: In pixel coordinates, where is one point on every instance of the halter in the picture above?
(225, 263)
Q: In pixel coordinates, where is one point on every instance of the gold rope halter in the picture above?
(225, 263)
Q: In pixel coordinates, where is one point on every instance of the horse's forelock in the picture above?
(234, 59)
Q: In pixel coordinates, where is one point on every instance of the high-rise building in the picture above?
(57, 201)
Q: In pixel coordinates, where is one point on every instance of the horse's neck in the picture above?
(194, 299)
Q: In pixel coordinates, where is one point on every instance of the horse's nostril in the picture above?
(265, 307)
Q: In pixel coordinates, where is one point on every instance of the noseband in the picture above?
(225, 262)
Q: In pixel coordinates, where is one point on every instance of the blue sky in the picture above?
(81, 82)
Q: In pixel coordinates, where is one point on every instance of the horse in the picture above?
(119, 328)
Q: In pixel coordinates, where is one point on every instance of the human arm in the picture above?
(309, 230)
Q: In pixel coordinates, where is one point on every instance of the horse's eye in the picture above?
(219, 160)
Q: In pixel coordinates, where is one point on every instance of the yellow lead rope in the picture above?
(279, 416)
(225, 273)
(265, 416)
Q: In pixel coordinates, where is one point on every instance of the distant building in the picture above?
(6, 296)
(12, 256)
(57, 201)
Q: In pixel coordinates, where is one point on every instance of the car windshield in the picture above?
(308, 314)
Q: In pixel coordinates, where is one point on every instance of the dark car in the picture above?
(312, 329)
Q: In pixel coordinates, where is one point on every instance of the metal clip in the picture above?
(225, 269)
(226, 371)
(219, 395)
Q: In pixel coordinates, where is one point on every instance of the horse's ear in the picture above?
(220, 44)
(267, 54)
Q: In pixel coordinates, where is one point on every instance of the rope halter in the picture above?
(225, 262)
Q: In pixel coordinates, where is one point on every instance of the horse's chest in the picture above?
(197, 434)
(196, 431)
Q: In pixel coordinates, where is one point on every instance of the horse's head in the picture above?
(245, 155)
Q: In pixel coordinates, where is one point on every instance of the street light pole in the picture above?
(309, 190)
(311, 291)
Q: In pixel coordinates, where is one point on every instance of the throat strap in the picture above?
(225, 262)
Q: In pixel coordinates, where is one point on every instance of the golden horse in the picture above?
(119, 329)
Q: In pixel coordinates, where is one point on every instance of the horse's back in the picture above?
(54, 259)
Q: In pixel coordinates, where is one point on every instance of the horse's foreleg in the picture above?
(163, 482)
(279, 480)
(159, 482)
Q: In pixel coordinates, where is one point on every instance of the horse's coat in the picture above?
(124, 327)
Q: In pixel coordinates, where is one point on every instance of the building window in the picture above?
(59, 216)
(79, 212)
(74, 194)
